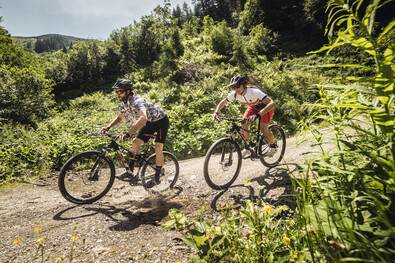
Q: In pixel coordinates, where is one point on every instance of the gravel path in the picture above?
(125, 225)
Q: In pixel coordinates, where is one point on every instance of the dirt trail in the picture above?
(125, 226)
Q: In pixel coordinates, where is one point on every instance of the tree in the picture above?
(221, 39)
(25, 93)
(262, 40)
(251, 16)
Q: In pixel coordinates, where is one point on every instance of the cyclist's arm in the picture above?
(116, 120)
(141, 121)
(269, 105)
(221, 105)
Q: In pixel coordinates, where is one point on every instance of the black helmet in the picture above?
(123, 84)
(238, 80)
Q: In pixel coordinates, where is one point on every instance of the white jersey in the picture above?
(252, 97)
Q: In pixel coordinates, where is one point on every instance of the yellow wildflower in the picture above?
(287, 240)
(40, 239)
(37, 229)
(267, 208)
(74, 238)
(168, 251)
(17, 241)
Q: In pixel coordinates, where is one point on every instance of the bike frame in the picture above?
(236, 129)
(141, 158)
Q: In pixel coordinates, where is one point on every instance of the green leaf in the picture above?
(168, 224)
(202, 211)
(386, 30)
(190, 242)
(359, 42)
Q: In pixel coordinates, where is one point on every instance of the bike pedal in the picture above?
(134, 181)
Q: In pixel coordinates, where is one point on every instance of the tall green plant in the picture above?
(353, 187)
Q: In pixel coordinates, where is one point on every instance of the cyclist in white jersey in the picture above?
(258, 104)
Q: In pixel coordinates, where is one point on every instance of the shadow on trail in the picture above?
(128, 215)
(276, 178)
(235, 198)
(68, 213)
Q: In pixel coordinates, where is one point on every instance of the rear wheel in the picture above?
(86, 177)
(222, 164)
(280, 141)
(168, 176)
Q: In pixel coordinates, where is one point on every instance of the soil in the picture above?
(125, 225)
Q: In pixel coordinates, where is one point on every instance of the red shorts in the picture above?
(251, 110)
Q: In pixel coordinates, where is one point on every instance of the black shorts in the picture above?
(159, 127)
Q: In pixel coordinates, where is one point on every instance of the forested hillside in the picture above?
(52, 104)
(46, 43)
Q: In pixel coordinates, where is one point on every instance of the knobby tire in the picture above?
(86, 177)
(222, 164)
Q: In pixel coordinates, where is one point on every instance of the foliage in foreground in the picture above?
(349, 197)
(256, 233)
(345, 206)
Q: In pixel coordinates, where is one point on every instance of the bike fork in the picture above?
(230, 159)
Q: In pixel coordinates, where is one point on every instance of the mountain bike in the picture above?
(223, 160)
(88, 176)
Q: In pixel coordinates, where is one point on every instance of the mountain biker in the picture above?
(258, 104)
(143, 117)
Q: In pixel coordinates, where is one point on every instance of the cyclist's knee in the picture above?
(158, 147)
(137, 141)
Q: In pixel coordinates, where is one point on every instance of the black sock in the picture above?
(132, 163)
(158, 169)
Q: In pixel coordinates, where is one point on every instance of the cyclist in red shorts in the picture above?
(258, 104)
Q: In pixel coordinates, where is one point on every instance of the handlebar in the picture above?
(239, 120)
(108, 134)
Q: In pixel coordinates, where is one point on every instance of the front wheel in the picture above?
(272, 160)
(168, 176)
(86, 177)
(222, 164)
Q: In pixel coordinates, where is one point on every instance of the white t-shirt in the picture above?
(253, 97)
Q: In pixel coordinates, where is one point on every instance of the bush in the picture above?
(22, 153)
(256, 232)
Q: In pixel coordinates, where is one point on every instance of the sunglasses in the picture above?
(120, 92)
(236, 86)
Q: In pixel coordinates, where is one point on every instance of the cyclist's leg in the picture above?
(159, 154)
(249, 111)
(162, 126)
(245, 134)
(264, 126)
(266, 132)
(136, 144)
